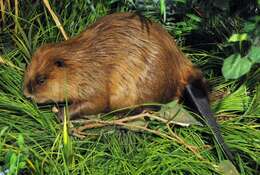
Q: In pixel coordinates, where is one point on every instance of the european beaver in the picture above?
(121, 60)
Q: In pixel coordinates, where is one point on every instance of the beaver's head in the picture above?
(49, 76)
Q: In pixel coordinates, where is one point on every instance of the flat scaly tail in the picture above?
(195, 96)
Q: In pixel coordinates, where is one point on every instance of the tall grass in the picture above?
(32, 141)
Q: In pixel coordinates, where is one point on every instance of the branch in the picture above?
(55, 18)
(90, 124)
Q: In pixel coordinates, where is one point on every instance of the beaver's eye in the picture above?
(40, 79)
(59, 63)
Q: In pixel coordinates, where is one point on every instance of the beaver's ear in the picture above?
(59, 62)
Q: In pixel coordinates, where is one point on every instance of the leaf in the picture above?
(227, 168)
(194, 17)
(249, 26)
(22, 165)
(3, 130)
(13, 163)
(255, 107)
(221, 4)
(140, 122)
(66, 139)
(175, 113)
(238, 37)
(20, 141)
(254, 54)
(7, 62)
(234, 66)
(163, 9)
(237, 101)
(181, 1)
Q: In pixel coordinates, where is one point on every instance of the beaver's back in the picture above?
(139, 60)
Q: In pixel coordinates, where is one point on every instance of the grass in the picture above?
(32, 141)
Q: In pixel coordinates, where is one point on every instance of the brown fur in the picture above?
(119, 61)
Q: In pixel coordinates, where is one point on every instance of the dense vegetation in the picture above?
(221, 37)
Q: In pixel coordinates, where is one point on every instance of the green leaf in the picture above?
(181, 1)
(162, 6)
(20, 141)
(22, 165)
(163, 9)
(3, 130)
(13, 164)
(237, 101)
(234, 66)
(140, 122)
(254, 54)
(194, 17)
(238, 37)
(176, 114)
(221, 4)
(249, 26)
(227, 168)
(255, 107)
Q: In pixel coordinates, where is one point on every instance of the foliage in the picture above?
(32, 141)
(235, 66)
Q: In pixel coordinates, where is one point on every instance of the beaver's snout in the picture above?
(28, 90)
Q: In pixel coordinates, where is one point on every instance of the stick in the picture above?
(55, 18)
(90, 124)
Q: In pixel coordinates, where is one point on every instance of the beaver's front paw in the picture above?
(60, 115)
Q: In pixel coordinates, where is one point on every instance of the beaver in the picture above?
(121, 60)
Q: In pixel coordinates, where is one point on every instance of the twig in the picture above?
(16, 4)
(55, 18)
(90, 124)
(2, 60)
(2, 9)
(9, 63)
